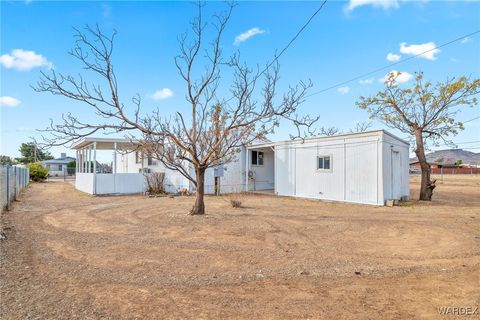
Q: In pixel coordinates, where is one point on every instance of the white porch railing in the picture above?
(110, 183)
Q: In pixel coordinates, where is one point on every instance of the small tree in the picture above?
(32, 153)
(6, 161)
(72, 164)
(425, 111)
(38, 172)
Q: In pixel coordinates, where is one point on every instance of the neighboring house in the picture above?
(58, 167)
(369, 167)
(446, 168)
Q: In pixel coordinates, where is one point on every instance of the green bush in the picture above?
(38, 172)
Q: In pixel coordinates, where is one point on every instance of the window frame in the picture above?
(330, 160)
(257, 153)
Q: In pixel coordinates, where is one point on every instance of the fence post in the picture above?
(15, 183)
(8, 187)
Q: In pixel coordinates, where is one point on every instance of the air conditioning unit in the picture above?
(251, 174)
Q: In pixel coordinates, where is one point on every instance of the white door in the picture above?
(396, 171)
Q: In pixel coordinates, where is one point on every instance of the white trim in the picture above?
(320, 170)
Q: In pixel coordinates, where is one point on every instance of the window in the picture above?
(324, 163)
(59, 167)
(257, 158)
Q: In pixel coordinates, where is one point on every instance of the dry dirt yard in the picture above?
(73, 256)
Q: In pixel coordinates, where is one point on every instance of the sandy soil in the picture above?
(74, 256)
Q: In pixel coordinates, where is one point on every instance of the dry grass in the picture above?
(73, 256)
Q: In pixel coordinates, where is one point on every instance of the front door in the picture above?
(396, 175)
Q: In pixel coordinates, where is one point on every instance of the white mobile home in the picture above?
(369, 167)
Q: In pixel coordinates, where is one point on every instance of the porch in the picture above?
(92, 180)
(260, 169)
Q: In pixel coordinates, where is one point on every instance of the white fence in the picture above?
(12, 181)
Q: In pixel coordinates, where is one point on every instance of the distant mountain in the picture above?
(450, 156)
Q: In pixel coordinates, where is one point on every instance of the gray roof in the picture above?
(61, 160)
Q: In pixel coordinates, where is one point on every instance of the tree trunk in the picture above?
(199, 207)
(426, 185)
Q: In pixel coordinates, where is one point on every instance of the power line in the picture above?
(471, 120)
(392, 64)
(463, 122)
(294, 38)
(276, 57)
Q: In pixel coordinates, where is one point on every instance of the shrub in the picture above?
(38, 172)
(235, 203)
(236, 198)
(155, 182)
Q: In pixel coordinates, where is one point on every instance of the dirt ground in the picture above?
(73, 256)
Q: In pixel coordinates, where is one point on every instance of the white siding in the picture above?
(395, 173)
(84, 182)
(352, 177)
(361, 171)
(284, 173)
(233, 179)
(361, 168)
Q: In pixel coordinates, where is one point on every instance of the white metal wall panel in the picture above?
(105, 183)
(395, 173)
(233, 179)
(361, 171)
(126, 183)
(319, 184)
(331, 183)
(285, 170)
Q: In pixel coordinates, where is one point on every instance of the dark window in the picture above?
(257, 158)
(323, 163)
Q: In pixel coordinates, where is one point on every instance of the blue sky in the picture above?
(346, 39)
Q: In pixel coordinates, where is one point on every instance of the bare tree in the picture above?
(425, 111)
(361, 127)
(329, 131)
(212, 133)
(333, 131)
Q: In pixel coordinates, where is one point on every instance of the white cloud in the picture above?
(466, 40)
(366, 81)
(402, 76)
(247, 35)
(415, 49)
(393, 57)
(384, 4)
(344, 90)
(162, 94)
(106, 11)
(23, 60)
(10, 102)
